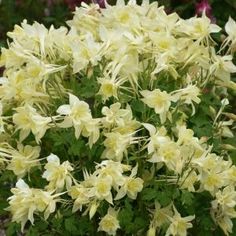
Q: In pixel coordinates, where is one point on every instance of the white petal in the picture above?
(21, 184)
(150, 128)
(53, 158)
(64, 110)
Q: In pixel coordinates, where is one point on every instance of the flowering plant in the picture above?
(120, 124)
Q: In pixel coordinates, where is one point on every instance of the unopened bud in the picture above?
(228, 147)
(93, 210)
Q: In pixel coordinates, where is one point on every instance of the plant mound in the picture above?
(119, 124)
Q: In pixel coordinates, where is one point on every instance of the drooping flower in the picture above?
(27, 120)
(57, 174)
(26, 201)
(109, 223)
(179, 224)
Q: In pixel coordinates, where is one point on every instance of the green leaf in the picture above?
(138, 105)
(33, 231)
(70, 225)
(13, 229)
(164, 198)
(125, 216)
(187, 198)
(149, 194)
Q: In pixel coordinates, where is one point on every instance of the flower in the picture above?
(108, 88)
(161, 215)
(102, 187)
(23, 159)
(198, 28)
(109, 223)
(57, 174)
(116, 145)
(131, 186)
(179, 225)
(223, 208)
(25, 202)
(28, 119)
(230, 28)
(81, 195)
(159, 100)
(188, 95)
(77, 114)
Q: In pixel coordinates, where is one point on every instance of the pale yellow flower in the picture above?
(85, 52)
(157, 138)
(179, 224)
(27, 120)
(188, 95)
(188, 180)
(25, 202)
(23, 159)
(102, 189)
(230, 28)
(223, 208)
(132, 186)
(108, 88)
(57, 174)
(109, 223)
(115, 115)
(159, 100)
(198, 28)
(116, 145)
(170, 154)
(76, 114)
(113, 169)
(161, 215)
(222, 67)
(82, 196)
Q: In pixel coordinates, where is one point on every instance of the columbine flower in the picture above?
(78, 115)
(179, 225)
(132, 186)
(157, 138)
(102, 188)
(109, 88)
(57, 174)
(161, 215)
(113, 169)
(116, 145)
(198, 28)
(82, 196)
(188, 95)
(158, 100)
(28, 119)
(23, 159)
(115, 116)
(230, 28)
(25, 202)
(223, 208)
(109, 223)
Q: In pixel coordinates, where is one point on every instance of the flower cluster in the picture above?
(26, 201)
(122, 114)
(97, 186)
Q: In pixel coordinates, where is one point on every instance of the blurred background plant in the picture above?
(56, 11)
